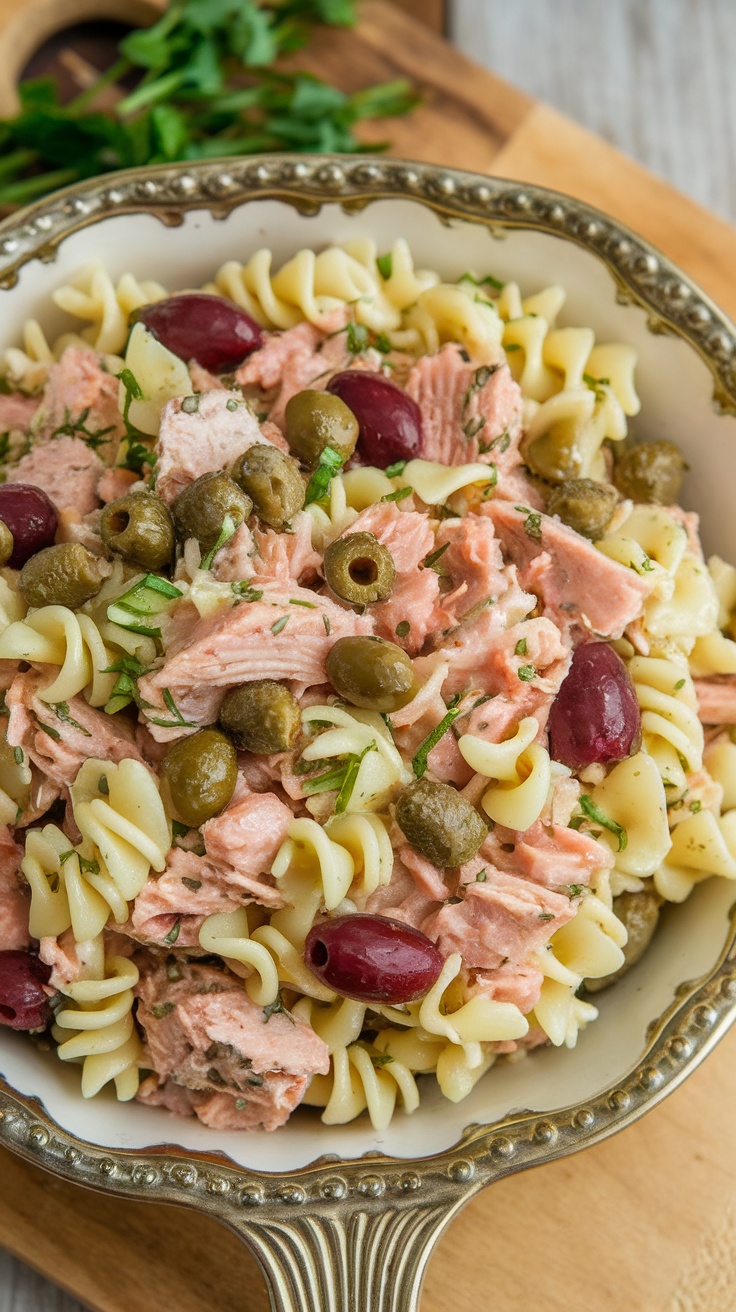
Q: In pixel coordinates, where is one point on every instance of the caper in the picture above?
(439, 823)
(202, 510)
(198, 777)
(261, 717)
(585, 505)
(359, 569)
(640, 914)
(315, 420)
(139, 528)
(652, 473)
(64, 575)
(554, 456)
(371, 673)
(272, 481)
(7, 543)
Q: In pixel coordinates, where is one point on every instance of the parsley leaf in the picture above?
(420, 760)
(592, 812)
(330, 463)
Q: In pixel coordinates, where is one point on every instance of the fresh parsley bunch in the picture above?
(206, 87)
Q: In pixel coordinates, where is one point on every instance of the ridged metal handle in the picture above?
(350, 1261)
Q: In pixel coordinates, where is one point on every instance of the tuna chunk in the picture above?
(488, 658)
(716, 699)
(116, 483)
(188, 890)
(17, 411)
(473, 564)
(266, 1106)
(80, 391)
(15, 902)
(286, 557)
(191, 443)
(206, 1032)
(298, 358)
(238, 644)
(504, 918)
(558, 857)
(465, 418)
(60, 753)
(409, 538)
(247, 837)
(66, 469)
(518, 984)
(404, 897)
(573, 580)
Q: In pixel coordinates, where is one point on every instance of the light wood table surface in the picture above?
(655, 78)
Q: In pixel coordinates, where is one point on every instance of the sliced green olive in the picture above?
(439, 823)
(359, 569)
(7, 543)
(585, 505)
(273, 482)
(64, 575)
(261, 717)
(198, 777)
(139, 528)
(371, 673)
(640, 914)
(201, 510)
(652, 473)
(315, 420)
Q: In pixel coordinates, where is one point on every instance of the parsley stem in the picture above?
(110, 76)
(17, 193)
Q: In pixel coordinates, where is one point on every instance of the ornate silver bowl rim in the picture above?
(357, 1234)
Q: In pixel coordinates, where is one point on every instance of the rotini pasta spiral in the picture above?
(358, 734)
(454, 313)
(672, 732)
(522, 769)
(700, 848)
(270, 956)
(91, 295)
(98, 1029)
(118, 810)
(632, 796)
(62, 894)
(435, 483)
(359, 1080)
(337, 1023)
(366, 838)
(469, 1024)
(15, 782)
(310, 852)
(55, 635)
(448, 1061)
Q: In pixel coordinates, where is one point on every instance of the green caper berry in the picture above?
(371, 673)
(651, 473)
(584, 505)
(272, 481)
(639, 912)
(64, 575)
(198, 777)
(359, 569)
(439, 823)
(315, 420)
(261, 717)
(7, 543)
(139, 528)
(202, 508)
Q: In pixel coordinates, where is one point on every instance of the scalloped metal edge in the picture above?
(685, 1034)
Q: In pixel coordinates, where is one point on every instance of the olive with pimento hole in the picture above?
(359, 569)
(139, 528)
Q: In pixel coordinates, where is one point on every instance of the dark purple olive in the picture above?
(208, 329)
(390, 421)
(24, 1003)
(595, 716)
(31, 518)
(373, 958)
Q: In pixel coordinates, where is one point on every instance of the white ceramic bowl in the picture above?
(177, 225)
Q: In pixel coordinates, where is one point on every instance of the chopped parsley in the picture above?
(161, 1010)
(474, 426)
(402, 628)
(420, 760)
(226, 532)
(488, 281)
(503, 442)
(379, 1059)
(275, 1008)
(592, 812)
(520, 648)
(78, 428)
(326, 622)
(177, 719)
(546, 915)
(430, 561)
(527, 673)
(397, 468)
(399, 494)
(680, 684)
(480, 378)
(61, 711)
(125, 688)
(280, 625)
(340, 777)
(532, 523)
(330, 463)
(385, 265)
(296, 601)
(481, 876)
(245, 591)
(173, 933)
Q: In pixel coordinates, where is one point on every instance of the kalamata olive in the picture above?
(373, 958)
(208, 329)
(24, 1003)
(439, 823)
(31, 518)
(7, 545)
(595, 716)
(390, 420)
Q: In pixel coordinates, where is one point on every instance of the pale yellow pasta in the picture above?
(699, 849)
(12, 605)
(650, 541)
(523, 772)
(435, 482)
(724, 581)
(713, 653)
(453, 313)
(405, 284)
(381, 771)
(15, 782)
(55, 635)
(560, 1014)
(690, 612)
(337, 1023)
(672, 732)
(591, 944)
(98, 1030)
(365, 486)
(91, 295)
(719, 760)
(118, 810)
(469, 1024)
(271, 958)
(365, 837)
(633, 796)
(160, 374)
(355, 1084)
(330, 520)
(310, 851)
(49, 913)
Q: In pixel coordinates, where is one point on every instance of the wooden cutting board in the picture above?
(642, 1223)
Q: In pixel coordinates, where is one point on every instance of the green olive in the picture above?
(198, 777)
(439, 823)
(7, 543)
(585, 505)
(139, 528)
(272, 481)
(555, 456)
(315, 420)
(652, 473)
(65, 575)
(640, 914)
(202, 509)
(359, 569)
(371, 673)
(261, 717)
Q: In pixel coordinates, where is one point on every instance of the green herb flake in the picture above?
(526, 673)
(178, 829)
(680, 684)
(61, 711)
(520, 648)
(245, 592)
(488, 281)
(280, 625)
(173, 933)
(511, 346)
(18, 755)
(276, 1008)
(396, 469)
(103, 786)
(78, 428)
(402, 629)
(481, 876)
(532, 523)
(385, 265)
(232, 404)
(430, 561)
(88, 867)
(399, 495)
(330, 464)
(546, 915)
(161, 1010)
(241, 1104)
(226, 532)
(696, 806)
(326, 622)
(420, 760)
(592, 812)
(380, 1059)
(296, 601)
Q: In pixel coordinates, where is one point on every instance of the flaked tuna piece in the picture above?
(265, 1108)
(116, 483)
(187, 891)
(574, 581)
(192, 442)
(205, 1031)
(235, 562)
(272, 638)
(247, 837)
(503, 918)
(403, 898)
(203, 380)
(15, 903)
(60, 753)
(469, 413)
(716, 699)
(427, 878)
(555, 856)
(286, 557)
(516, 983)
(79, 390)
(66, 469)
(62, 955)
(409, 538)
(473, 564)
(17, 411)
(486, 657)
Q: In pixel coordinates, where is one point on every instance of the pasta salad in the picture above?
(366, 691)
